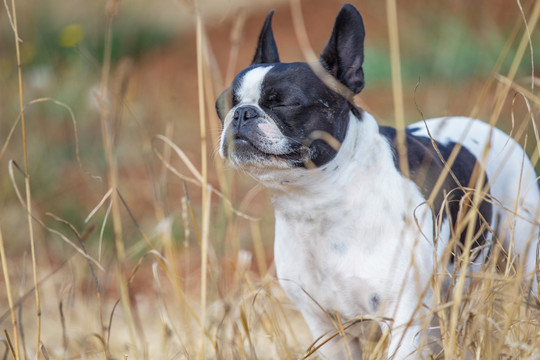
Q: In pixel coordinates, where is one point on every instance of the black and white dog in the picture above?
(355, 235)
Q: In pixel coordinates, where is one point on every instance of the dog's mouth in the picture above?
(243, 151)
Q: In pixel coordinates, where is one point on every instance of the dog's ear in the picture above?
(266, 52)
(224, 103)
(343, 55)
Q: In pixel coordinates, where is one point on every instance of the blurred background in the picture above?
(134, 64)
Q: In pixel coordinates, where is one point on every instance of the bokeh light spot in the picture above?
(71, 35)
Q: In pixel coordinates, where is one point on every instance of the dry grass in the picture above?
(164, 296)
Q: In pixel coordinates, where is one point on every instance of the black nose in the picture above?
(243, 114)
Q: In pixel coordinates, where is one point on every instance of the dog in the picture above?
(365, 214)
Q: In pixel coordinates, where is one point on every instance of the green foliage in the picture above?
(456, 54)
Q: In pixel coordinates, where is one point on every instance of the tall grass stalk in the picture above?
(502, 92)
(301, 32)
(205, 194)
(9, 297)
(397, 85)
(27, 183)
(112, 170)
(496, 68)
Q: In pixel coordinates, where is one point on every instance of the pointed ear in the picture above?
(266, 52)
(343, 55)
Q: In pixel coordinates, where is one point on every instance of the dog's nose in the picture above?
(243, 114)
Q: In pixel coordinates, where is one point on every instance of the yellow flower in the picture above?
(71, 35)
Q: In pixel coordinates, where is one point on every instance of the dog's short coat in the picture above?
(355, 232)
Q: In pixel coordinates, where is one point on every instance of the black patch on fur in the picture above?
(425, 166)
(375, 302)
(291, 95)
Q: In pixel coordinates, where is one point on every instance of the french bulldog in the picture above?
(362, 223)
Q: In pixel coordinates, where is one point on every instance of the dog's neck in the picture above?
(364, 156)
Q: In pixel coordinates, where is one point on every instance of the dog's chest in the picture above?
(338, 250)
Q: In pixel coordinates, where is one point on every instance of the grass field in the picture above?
(124, 235)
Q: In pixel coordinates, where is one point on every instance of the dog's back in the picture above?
(512, 181)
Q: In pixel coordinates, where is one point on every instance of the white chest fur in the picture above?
(344, 234)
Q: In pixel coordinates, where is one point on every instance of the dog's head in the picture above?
(291, 115)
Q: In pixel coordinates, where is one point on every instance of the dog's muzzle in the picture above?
(252, 138)
(243, 115)
(245, 126)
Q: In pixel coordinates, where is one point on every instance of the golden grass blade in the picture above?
(19, 74)
(8, 138)
(73, 120)
(204, 176)
(27, 179)
(300, 31)
(44, 351)
(68, 224)
(397, 86)
(98, 206)
(102, 230)
(112, 167)
(528, 33)
(167, 322)
(135, 222)
(342, 333)
(5, 270)
(34, 262)
(10, 345)
(206, 189)
(82, 239)
(160, 183)
(109, 326)
(236, 37)
(496, 69)
(258, 245)
(160, 258)
(503, 91)
(182, 155)
(11, 22)
(520, 89)
(470, 219)
(57, 102)
(198, 180)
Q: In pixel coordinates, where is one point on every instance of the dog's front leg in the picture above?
(406, 330)
(404, 343)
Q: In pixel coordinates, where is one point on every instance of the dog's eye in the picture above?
(275, 101)
(286, 105)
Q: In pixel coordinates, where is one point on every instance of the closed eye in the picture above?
(276, 100)
(286, 105)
